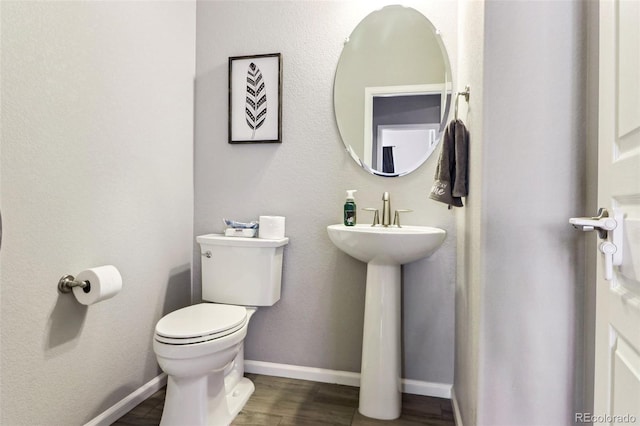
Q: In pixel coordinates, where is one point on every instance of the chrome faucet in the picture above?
(386, 209)
(386, 213)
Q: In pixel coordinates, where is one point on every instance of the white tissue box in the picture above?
(240, 232)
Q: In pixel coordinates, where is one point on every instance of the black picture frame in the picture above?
(255, 85)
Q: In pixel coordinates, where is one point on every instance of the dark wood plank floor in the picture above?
(289, 402)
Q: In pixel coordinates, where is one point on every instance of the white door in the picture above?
(617, 358)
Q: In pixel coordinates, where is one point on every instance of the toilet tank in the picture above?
(241, 271)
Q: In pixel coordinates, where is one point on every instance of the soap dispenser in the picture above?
(350, 209)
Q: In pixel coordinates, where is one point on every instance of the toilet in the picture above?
(200, 347)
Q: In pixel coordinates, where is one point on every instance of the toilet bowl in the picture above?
(200, 347)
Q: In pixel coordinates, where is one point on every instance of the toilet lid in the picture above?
(198, 323)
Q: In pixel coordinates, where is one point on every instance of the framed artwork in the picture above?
(255, 99)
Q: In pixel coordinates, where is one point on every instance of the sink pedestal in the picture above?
(380, 374)
(384, 249)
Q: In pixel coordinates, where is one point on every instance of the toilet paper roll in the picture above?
(271, 227)
(104, 283)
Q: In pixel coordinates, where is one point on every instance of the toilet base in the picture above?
(203, 401)
(238, 397)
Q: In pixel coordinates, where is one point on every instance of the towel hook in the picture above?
(466, 94)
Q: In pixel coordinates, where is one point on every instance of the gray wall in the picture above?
(469, 221)
(318, 322)
(97, 168)
(521, 358)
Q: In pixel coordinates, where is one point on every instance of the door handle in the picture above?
(608, 250)
(611, 247)
(602, 223)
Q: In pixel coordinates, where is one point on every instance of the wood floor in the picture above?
(289, 402)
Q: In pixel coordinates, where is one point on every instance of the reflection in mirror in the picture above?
(392, 91)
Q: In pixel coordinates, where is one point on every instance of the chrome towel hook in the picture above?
(464, 93)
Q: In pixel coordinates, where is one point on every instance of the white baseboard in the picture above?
(417, 387)
(129, 402)
(457, 417)
(322, 375)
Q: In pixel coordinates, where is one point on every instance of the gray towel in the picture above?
(451, 173)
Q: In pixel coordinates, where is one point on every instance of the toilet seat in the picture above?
(200, 323)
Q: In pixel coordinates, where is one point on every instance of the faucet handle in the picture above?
(376, 216)
(396, 216)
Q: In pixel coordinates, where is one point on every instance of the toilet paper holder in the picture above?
(67, 282)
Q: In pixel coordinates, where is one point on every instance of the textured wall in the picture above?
(318, 321)
(470, 277)
(533, 274)
(520, 360)
(97, 166)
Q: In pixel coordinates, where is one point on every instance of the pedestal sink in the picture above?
(385, 250)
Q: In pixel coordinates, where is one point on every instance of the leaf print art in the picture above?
(256, 101)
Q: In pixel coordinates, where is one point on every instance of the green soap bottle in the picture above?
(350, 209)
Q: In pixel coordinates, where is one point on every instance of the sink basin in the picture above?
(384, 250)
(386, 245)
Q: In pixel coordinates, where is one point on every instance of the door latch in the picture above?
(602, 223)
(610, 230)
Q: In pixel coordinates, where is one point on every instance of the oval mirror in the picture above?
(392, 91)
